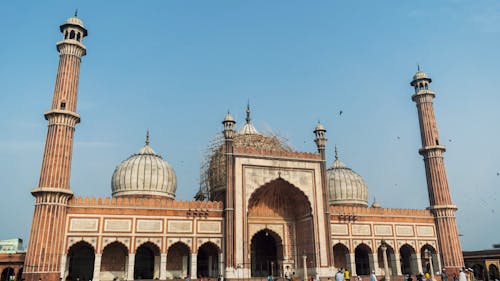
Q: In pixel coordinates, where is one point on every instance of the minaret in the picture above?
(43, 257)
(229, 200)
(320, 140)
(441, 205)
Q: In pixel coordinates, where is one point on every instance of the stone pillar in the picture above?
(387, 276)
(352, 259)
(419, 262)
(194, 259)
(157, 266)
(221, 264)
(163, 266)
(374, 263)
(304, 263)
(97, 267)
(397, 258)
(131, 264)
(64, 258)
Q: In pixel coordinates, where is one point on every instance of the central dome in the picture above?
(246, 137)
(144, 173)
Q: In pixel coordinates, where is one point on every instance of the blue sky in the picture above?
(176, 67)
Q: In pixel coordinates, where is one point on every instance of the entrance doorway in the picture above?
(264, 254)
(81, 261)
(208, 260)
(146, 261)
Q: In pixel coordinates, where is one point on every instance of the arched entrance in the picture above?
(178, 261)
(408, 260)
(391, 259)
(427, 254)
(114, 262)
(147, 262)
(341, 257)
(207, 261)
(7, 274)
(493, 272)
(280, 204)
(81, 261)
(264, 253)
(362, 257)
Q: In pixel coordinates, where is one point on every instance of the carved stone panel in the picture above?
(176, 226)
(426, 231)
(117, 225)
(361, 229)
(383, 230)
(81, 224)
(404, 230)
(339, 229)
(149, 225)
(209, 226)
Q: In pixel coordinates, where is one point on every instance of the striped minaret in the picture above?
(437, 184)
(43, 257)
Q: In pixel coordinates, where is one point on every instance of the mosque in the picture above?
(265, 209)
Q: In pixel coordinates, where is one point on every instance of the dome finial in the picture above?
(76, 12)
(418, 67)
(147, 137)
(248, 119)
(336, 153)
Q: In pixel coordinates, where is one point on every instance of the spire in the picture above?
(336, 153)
(418, 67)
(147, 137)
(248, 119)
(76, 13)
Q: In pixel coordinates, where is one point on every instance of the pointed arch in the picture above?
(428, 253)
(266, 250)
(114, 261)
(147, 261)
(207, 261)
(408, 256)
(178, 260)
(279, 196)
(391, 259)
(363, 259)
(341, 257)
(81, 257)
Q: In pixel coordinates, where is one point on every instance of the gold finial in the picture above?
(248, 119)
(336, 153)
(147, 137)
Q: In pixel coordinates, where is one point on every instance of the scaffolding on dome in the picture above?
(212, 168)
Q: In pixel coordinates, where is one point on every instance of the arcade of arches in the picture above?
(146, 263)
(281, 205)
(405, 261)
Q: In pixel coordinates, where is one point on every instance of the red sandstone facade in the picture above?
(272, 213)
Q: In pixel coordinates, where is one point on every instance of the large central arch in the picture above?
(283, 205)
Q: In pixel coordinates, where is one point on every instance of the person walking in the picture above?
(462, 276)
(444, 276)
(373, 277)
(346, 275)
(339, 276)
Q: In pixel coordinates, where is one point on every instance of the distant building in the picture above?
(485, 263)
(265, 209)
(11, 259)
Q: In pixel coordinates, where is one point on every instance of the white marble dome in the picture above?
(346, 186)
(144, 173)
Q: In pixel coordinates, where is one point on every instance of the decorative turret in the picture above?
(320, 134)
(248, 128)
(228, 126)
(437, 183)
